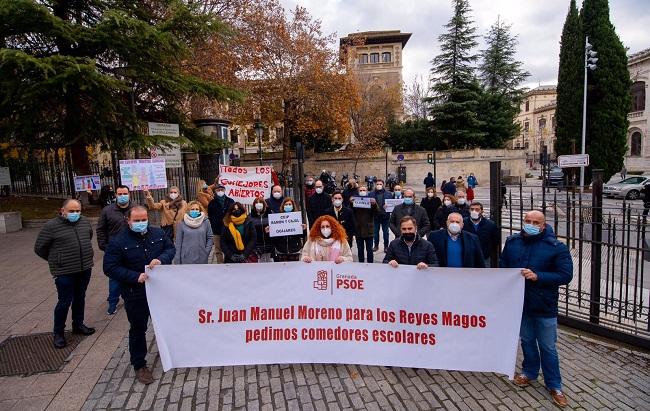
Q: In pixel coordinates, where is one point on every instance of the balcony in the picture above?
(635, 114)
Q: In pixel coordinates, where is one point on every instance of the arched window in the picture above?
(638, 96)
(635, 144)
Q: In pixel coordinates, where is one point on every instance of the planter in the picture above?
(10, 222)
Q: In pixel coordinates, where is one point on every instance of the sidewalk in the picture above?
(596, 375)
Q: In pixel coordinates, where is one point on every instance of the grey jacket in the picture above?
(111, 221)
(415, 211)
(193, 245)
(66, 246)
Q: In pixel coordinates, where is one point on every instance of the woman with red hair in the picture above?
(327, 242)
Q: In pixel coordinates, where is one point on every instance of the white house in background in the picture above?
(638, 140)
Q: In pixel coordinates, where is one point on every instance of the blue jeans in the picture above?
(71, 290)
(365, 243)
(538, 338)
(382, 221)
(113, 292)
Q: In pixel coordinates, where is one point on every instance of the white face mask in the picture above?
(173, 196)
(259, 206)
(461, 201)
(379, 187)
(447, 203)
(475, 215)
(454, 228)
(319, 190)
(326, 232)
(221, 193)
(337, 203)
(430, 195)
(363, 193)
(277, 195)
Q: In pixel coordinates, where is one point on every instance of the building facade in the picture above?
(637, 158)
(536, 121)
(375, 57)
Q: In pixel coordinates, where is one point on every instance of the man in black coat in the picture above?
(456, 248)
(344, 215)
(409, 208)
(111, 221)
(275, 201)
(410, 248)
(126, 259)
(318, 203)
(65, 243)
(485, 229)
(351, 190)
(217, 208)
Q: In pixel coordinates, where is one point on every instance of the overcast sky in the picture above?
(537, 22)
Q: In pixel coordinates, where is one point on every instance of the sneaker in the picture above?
(375, 248)
(112, 309)
(521, 380)
(83, 330)
(558, 398)
(59, 341)
(144, 375)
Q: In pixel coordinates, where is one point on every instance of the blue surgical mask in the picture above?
(140, 226)
(194, 213)
(531, 229)
(73, 217)
(123, 199)
(288, 208)
(408, 200)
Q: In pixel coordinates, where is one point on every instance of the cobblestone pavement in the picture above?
(597, 376)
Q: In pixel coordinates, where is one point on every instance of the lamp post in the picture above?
(259, 130)
(386, 150)
(590, 64)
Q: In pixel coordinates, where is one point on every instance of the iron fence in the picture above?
(609, 293)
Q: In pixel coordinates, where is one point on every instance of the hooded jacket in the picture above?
(547, 257)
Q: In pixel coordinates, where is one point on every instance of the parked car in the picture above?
(630, 188)
(555, 177)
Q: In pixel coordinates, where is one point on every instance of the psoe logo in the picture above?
(321, 280)
(349, 282)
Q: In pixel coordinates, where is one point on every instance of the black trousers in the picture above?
(137, 311)
(71, 290)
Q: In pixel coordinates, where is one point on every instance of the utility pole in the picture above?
(590, 63)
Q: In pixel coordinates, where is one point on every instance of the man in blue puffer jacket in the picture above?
(126, 258)
(547, 265)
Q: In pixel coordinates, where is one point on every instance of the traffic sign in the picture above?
(400, 157)
(574, 160)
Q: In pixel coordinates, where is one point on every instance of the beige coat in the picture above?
(167, 214)
(308, 251)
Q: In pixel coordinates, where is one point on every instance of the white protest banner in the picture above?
(5, 177)
(361, 202)
(350, 313)
(391, 203)
(143, 174)
(245, 184)
(283, 224)
(84, 183)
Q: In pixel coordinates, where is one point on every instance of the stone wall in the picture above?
(449, 163)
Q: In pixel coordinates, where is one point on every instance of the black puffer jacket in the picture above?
(66, 246)
(421, 252)
(111, 221)
(228, 242)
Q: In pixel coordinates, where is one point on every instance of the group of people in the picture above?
(447, 232)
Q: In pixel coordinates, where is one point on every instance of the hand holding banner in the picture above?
(245, 184)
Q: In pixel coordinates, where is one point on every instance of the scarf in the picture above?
(194, 222)
(174, 204)
(236, 235)
(325, 249)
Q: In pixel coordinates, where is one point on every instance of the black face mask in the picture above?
(238, 212)
(408, 237)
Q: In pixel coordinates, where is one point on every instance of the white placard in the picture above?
(245, 184)
(85, 183)
(5, 177)
(391, 203)
(172, 156)
(164, 129)
(143, 174)
(574, 160)
(350, 313)
(361, 202)
(283, 224)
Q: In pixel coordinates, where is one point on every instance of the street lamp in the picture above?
(386, 150)
(590, 64)
(259, 130)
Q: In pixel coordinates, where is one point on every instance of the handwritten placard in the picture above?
(283, 224)
(391, 203)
